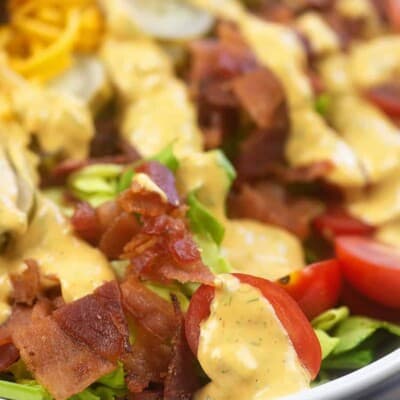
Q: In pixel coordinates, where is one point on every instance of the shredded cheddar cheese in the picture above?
(42, 35)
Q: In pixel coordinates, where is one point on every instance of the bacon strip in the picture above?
(261, 94)
(152, 312)
(62, 365)
(181, 381)
(98, 321)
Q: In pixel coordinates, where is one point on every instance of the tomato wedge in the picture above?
(371, 267)
(292, 318)
(387, 95)
(337, 221)
(316, 288)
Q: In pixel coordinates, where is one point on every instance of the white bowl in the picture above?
(357, 382)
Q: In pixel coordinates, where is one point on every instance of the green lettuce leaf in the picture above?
(115, 379)
(328, 343)
(165, 292)
(208, 234)
(329, 319)
(353, 359)
(29, 390)
(202, 221)
(167, 158)
(355, 330)
(226, 165)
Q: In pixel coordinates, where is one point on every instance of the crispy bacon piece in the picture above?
(63, 366)
(148, 362)
(270, 203)
(26, 286)
(152, 312)
(164, 179)
(137, 199)
(9, 354)
(98, 321)
(165, 250)
(86, 223)
(118, 233)
(261, 94)
(181, 381)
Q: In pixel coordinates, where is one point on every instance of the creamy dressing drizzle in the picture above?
(50, 241)
(244, 348)
(250, 246)
(157, 111)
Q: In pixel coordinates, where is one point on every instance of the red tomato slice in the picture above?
(336, 222)
(360, 305)
(292, 318)
(393, 13)
(316, 288)
(386, 96)
(371, 267)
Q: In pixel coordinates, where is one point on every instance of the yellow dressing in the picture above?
(312, 140)
(244, 348)
(49, 240)
(249, 246)
(162, 117)
(376, 61)
(259, 249)
(203, 173)
(372, 136)
(322, 38)
(275, 45)
(334, 73)
(380, 203)
(361, 10)
(389, 233)
(136, 67)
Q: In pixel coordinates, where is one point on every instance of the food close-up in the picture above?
(199, 199)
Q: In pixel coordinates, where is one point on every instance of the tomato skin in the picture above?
(360, 305)
(387, 95)
(371, 267)
(393, 13)
(335, 222)
(290, 315)
(316, 288)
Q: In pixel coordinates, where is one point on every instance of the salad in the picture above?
(199, 199)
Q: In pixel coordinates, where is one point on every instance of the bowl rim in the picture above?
(355, 382)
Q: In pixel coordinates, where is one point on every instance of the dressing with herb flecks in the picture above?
(244, 348)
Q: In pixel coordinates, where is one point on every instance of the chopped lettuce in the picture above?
(115, 379)
(329, 319)
(350, 342)
(99, 183)
(202, 221)
(208, 234)
(165, 292)
(96, 183)
(328, 343)
(29, 390)
(167, 158)
(322, 104)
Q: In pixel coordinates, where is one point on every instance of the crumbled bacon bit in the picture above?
(86, 223)
(165, 250)
(137, 199)
(270, 203)
(117, 234)
(261, 94)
